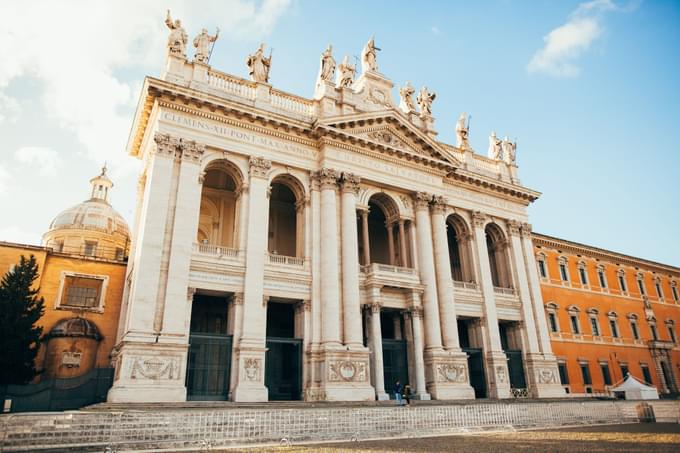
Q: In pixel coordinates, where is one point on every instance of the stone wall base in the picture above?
(447, 376)
(344, 375)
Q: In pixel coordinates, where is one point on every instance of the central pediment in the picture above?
(389, 129)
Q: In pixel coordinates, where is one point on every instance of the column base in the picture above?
(149, 373)
(250, 386)
(544, 377)
(497, 374)
(344, 376)
(382, 397)
(446, 375)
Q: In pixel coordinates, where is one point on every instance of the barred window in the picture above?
(81, 291)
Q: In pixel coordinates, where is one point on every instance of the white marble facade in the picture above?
(347, 150)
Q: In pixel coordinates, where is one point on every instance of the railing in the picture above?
(92, 251)
(465, 285)
(287, 260)
(394, 269)
(292, 104)
(216, 250)
(232, 85)
(506, 291)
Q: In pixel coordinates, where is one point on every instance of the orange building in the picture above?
(609, 314)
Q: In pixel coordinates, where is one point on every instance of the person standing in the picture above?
(407, 394)
(397, 392)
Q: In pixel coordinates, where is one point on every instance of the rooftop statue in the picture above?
(202, 44)
(327, 68)
(259, 65)
(346, 73)
(406, 103)
(495, 152)
(509, 150)
(177, 41)
(462, 132)
(424, 100)
(368, 56)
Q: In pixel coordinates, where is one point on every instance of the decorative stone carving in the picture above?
(202, 44)
(416, 312)
(327, 66)
(546, 376)
(237, 299)
(251, 370)
(368, 56)
(495, 152)
(327, 178)
(166, 144)
(378, 97)
(405, 201)
(462, 131)
(478, 219)
(154, 367)
(178, 38)
(450, 372)
(438, 204)
(421, 200)
(500, 374)
(306, 305)
(509, 149)
(350, 183)
(346, 73)
(526, 230)
(406, 103)
(424, 100)
(191, 151)
(385, 137)
(259, 65)
(259, 166)
(71, 359)
(514, 227)
(347, 371)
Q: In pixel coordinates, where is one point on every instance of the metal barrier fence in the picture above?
(206, 428)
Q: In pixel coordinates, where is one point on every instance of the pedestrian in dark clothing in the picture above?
(397, 392)
(407, 394)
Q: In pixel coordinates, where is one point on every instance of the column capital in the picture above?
(265, 300)
(350, 183)
(237, 299)
(526, 230)
(416, 312)
(514, 227)
(191, 150)
(421, 200)
(438, 205)
(478, 219)
(190, 293)
(326, 178)
(259, 166)
(375, 307)
(166, 145)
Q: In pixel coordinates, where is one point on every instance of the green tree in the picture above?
(20, 309)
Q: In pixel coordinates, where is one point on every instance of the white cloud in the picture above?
(77, 51)
(564, 44)
(47, 161)
(9, 109)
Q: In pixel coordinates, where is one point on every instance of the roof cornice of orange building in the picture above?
(595, 252)
(25, 246)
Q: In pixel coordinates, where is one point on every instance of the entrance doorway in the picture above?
(283, 361)
(209, 359)
(394, 346)
(475, 358)
(510, 343)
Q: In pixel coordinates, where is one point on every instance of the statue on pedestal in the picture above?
(509, 149)
(177, 40)
(258, 65)
(346, 73)
(462, 132)
(327, 68)
(424, 101)
(368, 57)
(202, 44)
(406, 98)
(495, 152)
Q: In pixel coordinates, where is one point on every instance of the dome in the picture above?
(95, 214)
(75, 327)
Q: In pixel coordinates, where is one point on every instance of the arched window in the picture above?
(497, 248)
(219, 199)
(553, 321)
(542, 265)
(633, 319)
(459, 249)
(384, 237)
(286, 210)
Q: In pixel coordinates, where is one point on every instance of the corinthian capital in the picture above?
(421, 200)
(514, 227)
(526, 230)
(478, 218)
(438, 204)
(350, 183)
(259, 166)
(191, 151)
(166, 145)
(327, 178)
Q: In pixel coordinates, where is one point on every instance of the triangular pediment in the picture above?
(389, 128)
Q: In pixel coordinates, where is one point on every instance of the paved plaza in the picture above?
(629, 438)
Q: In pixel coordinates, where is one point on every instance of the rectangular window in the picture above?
(563, 272)
(605, 374)
(624, 371)
(634, 329)
(574, 324)
(600, 275)
(674, 290)
(659, 292)
(655, 334)
(585, 373)
(81, 292)
(120, 254)
(641, 286)
(564, 376)
(671, 334)
(541, 269)
(553, 322)
(595, 327)
(645, 373)
(90, 248)
(622, 283)
(614, 328)
(582, 274)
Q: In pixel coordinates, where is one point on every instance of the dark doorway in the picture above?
(513, 355)
(283, 361)
(395, 355)
(475, 358)
(209, 350)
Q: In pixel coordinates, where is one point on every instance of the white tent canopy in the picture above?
(636, 390)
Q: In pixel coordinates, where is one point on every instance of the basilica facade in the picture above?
(322, 249)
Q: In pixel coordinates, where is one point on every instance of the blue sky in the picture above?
(590, 90)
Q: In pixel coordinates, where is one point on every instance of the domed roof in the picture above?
(75, 327)
(94, 214)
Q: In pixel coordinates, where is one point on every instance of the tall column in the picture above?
(496, 361)
(416, 326)
(535, 290)
(364, 236)
(237, 301)
(351, 298)
(376, 346)
(251, 348)
(390, 241)
(313, 391)
(402, 244)
(243, 198)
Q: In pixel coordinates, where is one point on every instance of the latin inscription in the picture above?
(384, 167)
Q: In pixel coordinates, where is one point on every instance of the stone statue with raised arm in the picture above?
(346, 73)
(494, 147)
(509, 150)
(258, 65)
(406, 98)
(462, 132)
(368, 57)
(424, 101)
(202, 44)
(327, 68)
(178, 39)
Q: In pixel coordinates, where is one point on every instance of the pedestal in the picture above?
(344, 376)
(447, 375)
(498, 375)
(543, 377)
(250, 380)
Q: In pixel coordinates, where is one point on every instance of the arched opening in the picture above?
(387, 233)
(498, 256)
(219, 199)
(459, 249)
(286, 202)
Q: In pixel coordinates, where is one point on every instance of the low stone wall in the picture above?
(205, 428)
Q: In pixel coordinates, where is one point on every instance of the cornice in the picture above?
(524, 194)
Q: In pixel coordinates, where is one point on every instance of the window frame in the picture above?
(674, 291)
(563, 269)
(646, 373)
(602, 276)
(587, 377)
(621, 277)
(670, 327)
(61, 302)
(582, 270)
(659, 288)
(640, 278)
(542, 264)
(594, 322)
(606, 373)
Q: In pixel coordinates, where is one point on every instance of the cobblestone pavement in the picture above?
(642, 437)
